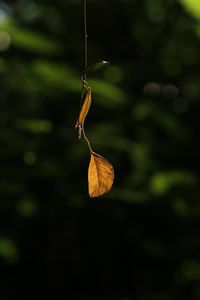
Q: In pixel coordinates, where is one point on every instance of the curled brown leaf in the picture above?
(83, 112)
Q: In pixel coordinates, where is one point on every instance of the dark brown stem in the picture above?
(85, 34)
(85, 137)
(83, 77)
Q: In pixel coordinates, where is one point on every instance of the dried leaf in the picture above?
(99, 64)
(100, 175)
(83, 113)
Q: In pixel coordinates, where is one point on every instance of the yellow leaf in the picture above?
(83, 113)
(100, 175)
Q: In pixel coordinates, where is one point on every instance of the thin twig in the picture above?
(83, 77)
(85, 137)
(85, 34)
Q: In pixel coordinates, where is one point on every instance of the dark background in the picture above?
(141, 241)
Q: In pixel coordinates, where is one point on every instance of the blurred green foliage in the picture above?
(140, 241)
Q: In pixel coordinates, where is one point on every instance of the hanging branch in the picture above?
(100, 172)
(85, 33)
